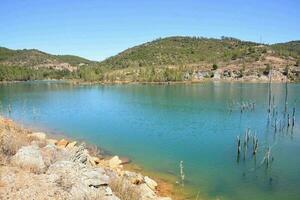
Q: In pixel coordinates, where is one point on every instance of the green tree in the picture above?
(215, 67)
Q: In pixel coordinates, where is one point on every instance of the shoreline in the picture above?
(188, 82)
(166, 182)
(164, 185)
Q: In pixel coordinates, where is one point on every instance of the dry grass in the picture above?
(10, 143)
(124, 190)
(31, 168)
(11, 140)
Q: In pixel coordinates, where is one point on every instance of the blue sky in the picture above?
(99, 29)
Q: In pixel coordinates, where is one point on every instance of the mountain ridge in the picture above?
(175, 58)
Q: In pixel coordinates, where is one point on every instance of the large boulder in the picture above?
(84, 182)
(29, 157)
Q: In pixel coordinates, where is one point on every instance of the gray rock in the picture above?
(84, 182)
(135, 178)
(80, 154)
(29, 157)
(95, 177)
(217, 74)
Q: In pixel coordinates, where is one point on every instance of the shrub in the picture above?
(267, 70)
(215, 67)
(286, 71)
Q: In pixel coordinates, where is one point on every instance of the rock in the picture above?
(50, 154)
(84, 182)
(51, 141)
(37, 135)
(150, 182)
(217, 74)
(29, 157)
(80, 154)
(62, 143)
(114, 162)
(71, 144)
(146, 192)
(94, 177)
(134, 178)
(125, 160)
(94, 160)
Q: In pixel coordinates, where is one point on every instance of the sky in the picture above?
(97, 29)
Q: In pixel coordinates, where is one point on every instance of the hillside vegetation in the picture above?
(178, 51)
(171, 59)
(196, 58)
(32, 64)
(33, 57)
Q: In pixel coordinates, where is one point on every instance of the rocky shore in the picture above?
(34, 166)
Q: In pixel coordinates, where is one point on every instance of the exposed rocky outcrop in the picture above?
(48, 169)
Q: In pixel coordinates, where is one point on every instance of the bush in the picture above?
(215, 67)
(286, 71)
(267, 70)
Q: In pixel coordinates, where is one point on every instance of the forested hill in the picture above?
(36, 58)
(291, 48)
(161, 60)
(187, 58)
(32, 64)
(177, 51)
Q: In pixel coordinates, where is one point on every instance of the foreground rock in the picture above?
(81, 181)
(29, 157)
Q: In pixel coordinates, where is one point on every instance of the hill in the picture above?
(28, 64)
(163, 60)
(182, 51)
(291, 48)
(194, 58)
(36, 58)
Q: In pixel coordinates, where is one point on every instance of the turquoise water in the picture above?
(157, 126)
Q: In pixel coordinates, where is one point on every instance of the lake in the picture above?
(157, 126)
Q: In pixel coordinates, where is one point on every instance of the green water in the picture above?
(157, 126)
